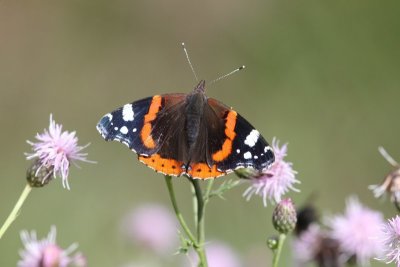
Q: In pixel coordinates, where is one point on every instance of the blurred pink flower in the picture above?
(307, 245)
(315, 245)
(218, 255)
(46, 253)
(56, 150)
(390, 240)
(357, 230)
(276, 181)
(152, 226)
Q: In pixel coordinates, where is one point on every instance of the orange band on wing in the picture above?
(226, 150)
(203, 171)
(145, 134)
(163, 165)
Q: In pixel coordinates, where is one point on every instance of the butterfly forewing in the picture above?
(243, 146)
(141, 125)
(125, 124)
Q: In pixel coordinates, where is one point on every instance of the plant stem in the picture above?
(277, 252)
(208, 191)
(15, 211)
(200, 211)
(200, 223)
(195, 205)
(178, 214)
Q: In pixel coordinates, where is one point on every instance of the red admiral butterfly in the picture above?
(189, 134)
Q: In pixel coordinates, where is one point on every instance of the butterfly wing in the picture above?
(239, 144)
(125, 123)
(134, 123)
(153, 128)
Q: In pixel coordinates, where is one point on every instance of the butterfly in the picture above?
(187, 134)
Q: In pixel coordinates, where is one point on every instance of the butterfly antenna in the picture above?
(228, 74)
(188, 59)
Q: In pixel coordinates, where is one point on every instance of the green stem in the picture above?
(195, 205)
(208, 191)
(277, 252)
(200, 223)
(178, 214)
(200, 211)
(14, 213)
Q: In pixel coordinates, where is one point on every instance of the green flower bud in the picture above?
(272, 242)
(284, 217)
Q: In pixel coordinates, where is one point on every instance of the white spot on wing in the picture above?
(238, 151)
(266, 149)
(109, 115)
(127, 112)
(134, 130)
(255, 157)
(252, 138)
(123, 130)
(247, 155)
(116, 128)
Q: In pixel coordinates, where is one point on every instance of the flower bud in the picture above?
(39, 175)
(284, 216)
(272, 242)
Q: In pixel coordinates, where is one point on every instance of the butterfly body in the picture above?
(187, 134)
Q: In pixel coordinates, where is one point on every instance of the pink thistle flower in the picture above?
(153, 227)
(276, 181)
(218, 255)
(390, 240)
(46, 253)
(55, 150)
(315, 245)
(356, 231)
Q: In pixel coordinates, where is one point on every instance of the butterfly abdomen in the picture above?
(194, 112)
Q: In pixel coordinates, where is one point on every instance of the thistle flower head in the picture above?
(46, 253)
(284, 217)
(390, 240)
(273, 183)
(54, 151)
(356, 231)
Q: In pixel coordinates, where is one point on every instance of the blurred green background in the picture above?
(321, 75)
